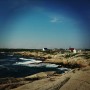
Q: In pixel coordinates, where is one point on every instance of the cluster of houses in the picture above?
(73, 50)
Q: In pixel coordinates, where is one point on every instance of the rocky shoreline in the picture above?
(76, 79)
(69, 59)
(51, 80)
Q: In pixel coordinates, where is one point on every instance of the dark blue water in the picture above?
(8, 69)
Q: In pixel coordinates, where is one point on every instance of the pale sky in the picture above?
(44, 23)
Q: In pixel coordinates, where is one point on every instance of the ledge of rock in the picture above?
(40, 75)
(78, 80)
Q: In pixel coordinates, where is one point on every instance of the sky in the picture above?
(44, 24)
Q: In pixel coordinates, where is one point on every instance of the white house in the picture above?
(74, 51)
(44, 49)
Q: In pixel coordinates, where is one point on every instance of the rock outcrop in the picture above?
(73, 80)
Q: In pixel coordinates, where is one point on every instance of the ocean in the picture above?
(14, 66)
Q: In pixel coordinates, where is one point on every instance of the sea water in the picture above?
(13, 66)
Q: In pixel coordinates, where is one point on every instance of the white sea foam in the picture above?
(64, 69)
(36, 64)
(47, 65)
(27, 61)
(52, 65)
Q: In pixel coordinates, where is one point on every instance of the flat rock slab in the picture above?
(78, 80)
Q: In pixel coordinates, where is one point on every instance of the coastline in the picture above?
(78, 63)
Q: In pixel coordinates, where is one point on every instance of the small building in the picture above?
(45, 49)
(72, 50)
(79, 51)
